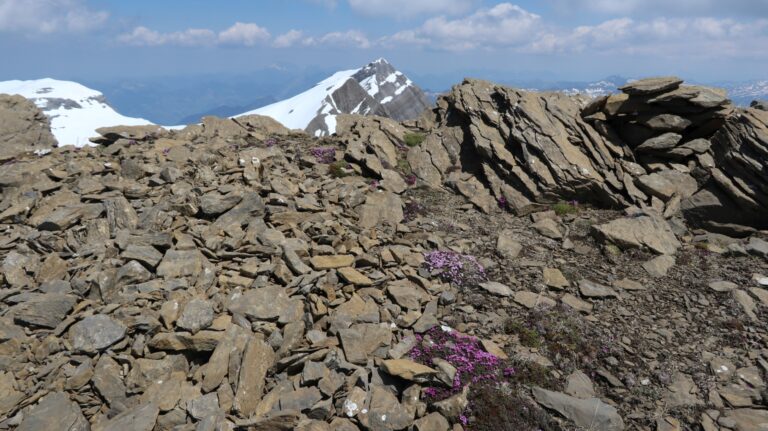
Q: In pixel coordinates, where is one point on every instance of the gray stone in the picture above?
(664, 142)
(54, 412)
(548, 228)
(579, 385)
(659, 266)
(197, 315)
(213, 203)
(140, 418)
(667, 184)
(46, 310)
(497, 288)
(362, 340)
(145, 254)
(506, 246)
(758, 247)
(589, 413)
(96, 333)
(590, 289)
(649, 86)
(258, 358)
(668, 123)
(380, 208)
(649, 232)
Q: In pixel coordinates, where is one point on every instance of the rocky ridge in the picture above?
(238, 275)
(24, 128)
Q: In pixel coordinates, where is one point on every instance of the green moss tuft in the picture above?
(414, 139)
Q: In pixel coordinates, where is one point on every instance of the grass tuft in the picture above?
(414, 139)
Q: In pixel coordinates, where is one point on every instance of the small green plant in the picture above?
(495, 409)
(338, 169)
(564, 337)
(565, 208)
(413, 139)
(528, 336)
(403, 166)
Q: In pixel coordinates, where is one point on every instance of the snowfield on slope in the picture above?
(298, 111)
(75, 111)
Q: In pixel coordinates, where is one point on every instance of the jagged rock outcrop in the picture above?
(735, 187)
(658, 145)
(23, 128)
(526, 147)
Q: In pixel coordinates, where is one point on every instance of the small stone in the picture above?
(408, 370)
(54, 412)
(197, 315)
(576, 303)
(628, 284)
(533, 300)
(203, 341)
(682, 392)
(353, 276)
(140, 418)
(549, 228)
(579, 385)
(757, 247)
(257, 360)
(321, 263)
(746, 302)
(506, 246)
(497, 288)
(96, 333)
(555, 279)
(45, 311)
(588, 413)
(659, 266)
(432, 422)
(668, 424)
(590, 289)
(723, 286)
(146, 255)
(650, 86)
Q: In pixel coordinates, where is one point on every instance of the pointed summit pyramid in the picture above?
(376, 89)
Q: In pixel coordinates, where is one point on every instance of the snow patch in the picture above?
(298, 111)
(75, 111)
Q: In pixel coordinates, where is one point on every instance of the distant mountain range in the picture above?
(376, 89)
(742, 93)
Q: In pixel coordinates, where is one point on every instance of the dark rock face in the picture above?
(400, 100)
(23, 128)
(738, 183)
(378, 89)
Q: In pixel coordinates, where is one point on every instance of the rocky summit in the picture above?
(509, 261)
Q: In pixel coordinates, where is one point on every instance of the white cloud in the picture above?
(247, 34)
(240, 34)
(142, 36)
(49, 16)
(646, 8)
(410, 8)
(502, 25)
(351, 38)
(288, 39)
(512, 28)
(663, 37)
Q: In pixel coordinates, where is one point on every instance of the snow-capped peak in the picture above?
(75, 110)
(375, 89)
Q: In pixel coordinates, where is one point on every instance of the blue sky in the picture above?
(550, 39)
